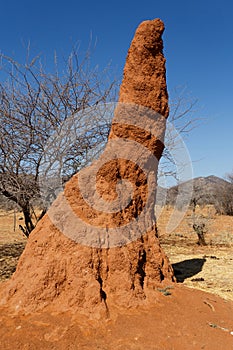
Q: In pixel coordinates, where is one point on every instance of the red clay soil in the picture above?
(186, 319)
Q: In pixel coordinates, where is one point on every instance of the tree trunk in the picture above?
(199, 229)
(29, 226)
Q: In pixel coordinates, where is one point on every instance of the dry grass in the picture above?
(216, 273)
(7, 232)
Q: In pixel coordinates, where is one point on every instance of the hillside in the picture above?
(210, 190)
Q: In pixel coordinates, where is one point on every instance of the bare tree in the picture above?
(183, 120)
(199, 224)
(33, 103)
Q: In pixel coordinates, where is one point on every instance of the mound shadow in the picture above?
(187, 268)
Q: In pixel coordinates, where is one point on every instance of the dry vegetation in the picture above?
(208, 268)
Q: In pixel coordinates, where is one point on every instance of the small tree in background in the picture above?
(199, 223)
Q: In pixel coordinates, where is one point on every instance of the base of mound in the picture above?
(181, 318)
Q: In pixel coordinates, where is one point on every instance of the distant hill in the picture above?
(207, 190)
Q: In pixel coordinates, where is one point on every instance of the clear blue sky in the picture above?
(198, 46)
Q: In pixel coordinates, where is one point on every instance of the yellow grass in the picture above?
(180, 245)
(7, 232)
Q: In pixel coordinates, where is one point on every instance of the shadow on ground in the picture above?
(187, 268)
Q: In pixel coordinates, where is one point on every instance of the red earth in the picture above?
(180, 318)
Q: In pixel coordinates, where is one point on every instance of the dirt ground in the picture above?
(185, 319)
(196, 313)
(208, 268)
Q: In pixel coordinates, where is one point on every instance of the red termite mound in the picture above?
(62, 273)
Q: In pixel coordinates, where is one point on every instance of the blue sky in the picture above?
(198, 44)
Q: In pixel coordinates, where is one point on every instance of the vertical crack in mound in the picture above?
(141, 267)
(103, 294)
